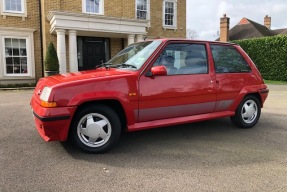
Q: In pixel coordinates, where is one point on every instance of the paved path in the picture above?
(205, 156)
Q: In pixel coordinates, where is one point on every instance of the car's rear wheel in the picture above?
(95, 129)
(248, 112)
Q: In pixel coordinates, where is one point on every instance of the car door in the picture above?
(184, 91)
(232, 74)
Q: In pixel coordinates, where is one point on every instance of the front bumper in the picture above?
(52, 123)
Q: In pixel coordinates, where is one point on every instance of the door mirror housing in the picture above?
(157, 71)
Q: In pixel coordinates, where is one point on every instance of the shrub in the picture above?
(269, 54)
(51, 60)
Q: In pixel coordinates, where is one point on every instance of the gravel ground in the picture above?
(205, 156)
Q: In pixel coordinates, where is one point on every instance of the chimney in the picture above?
(267, 22)
(224, 28)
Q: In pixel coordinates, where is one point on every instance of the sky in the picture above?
(204, 16)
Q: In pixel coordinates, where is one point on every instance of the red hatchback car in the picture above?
(147, 85)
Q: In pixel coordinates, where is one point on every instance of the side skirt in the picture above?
(178, 120)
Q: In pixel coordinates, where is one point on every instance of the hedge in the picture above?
(269, 54)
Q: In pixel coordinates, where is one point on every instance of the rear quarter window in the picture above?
(227, 59)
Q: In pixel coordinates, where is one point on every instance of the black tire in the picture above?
(95, 128)
(250, 108)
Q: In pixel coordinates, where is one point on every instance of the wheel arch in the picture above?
(258, 96)
(113, 104)
(255, 91)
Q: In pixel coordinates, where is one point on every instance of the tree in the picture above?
(191, 34)
(51, 61)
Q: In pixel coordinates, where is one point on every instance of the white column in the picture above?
(61, 50)
(73, 59)
(139, 38)
(131, 39)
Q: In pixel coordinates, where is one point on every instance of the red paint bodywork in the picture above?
(139, 94)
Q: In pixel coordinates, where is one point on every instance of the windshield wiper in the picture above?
(106, 65)
(125, 65)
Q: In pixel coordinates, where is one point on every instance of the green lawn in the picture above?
(275, 82)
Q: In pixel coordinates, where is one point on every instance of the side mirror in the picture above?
(157, 71)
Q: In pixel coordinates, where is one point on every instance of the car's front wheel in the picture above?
(248, 112)
(95, 129)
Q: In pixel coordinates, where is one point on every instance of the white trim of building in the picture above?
(73, 24)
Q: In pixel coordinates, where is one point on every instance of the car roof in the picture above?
(192, 40)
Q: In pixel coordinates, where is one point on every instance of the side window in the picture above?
(228, 60)
(184, 59)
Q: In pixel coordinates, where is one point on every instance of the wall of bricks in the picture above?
(116, 46)
(156, 21)
(30, 22)
(112, 8)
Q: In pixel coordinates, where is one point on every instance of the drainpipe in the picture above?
(41, 37)
(123, 43)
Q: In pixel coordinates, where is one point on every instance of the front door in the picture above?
(93, 53)
(188, 89)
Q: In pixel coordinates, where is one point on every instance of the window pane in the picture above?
(9, 60)
(88, 9)
(8, 6)
(8, 52)
(16, 60)
(97, 9)
(22, 43)
(23, 52)
(8, 42)
(23, 68)
(15, 43)
(15, 51)
(228, 60)
(18, 8)
(9, 69)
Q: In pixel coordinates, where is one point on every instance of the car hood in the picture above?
(79, 77)
(85, 75)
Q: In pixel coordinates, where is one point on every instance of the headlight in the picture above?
(45, 96)
(45, 93)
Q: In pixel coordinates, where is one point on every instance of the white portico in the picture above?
(74, 24)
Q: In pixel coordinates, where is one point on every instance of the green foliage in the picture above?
(51, 60)
(269, 54)
(271, 82)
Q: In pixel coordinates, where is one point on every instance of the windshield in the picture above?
(135, 55)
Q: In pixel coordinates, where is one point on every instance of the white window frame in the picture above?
(22, 13)
(148, 10)
(101, 8)
(174, 26)
(26, 34)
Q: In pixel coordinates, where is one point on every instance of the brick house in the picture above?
(85, 32)
(247, 29)
(20, 45)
